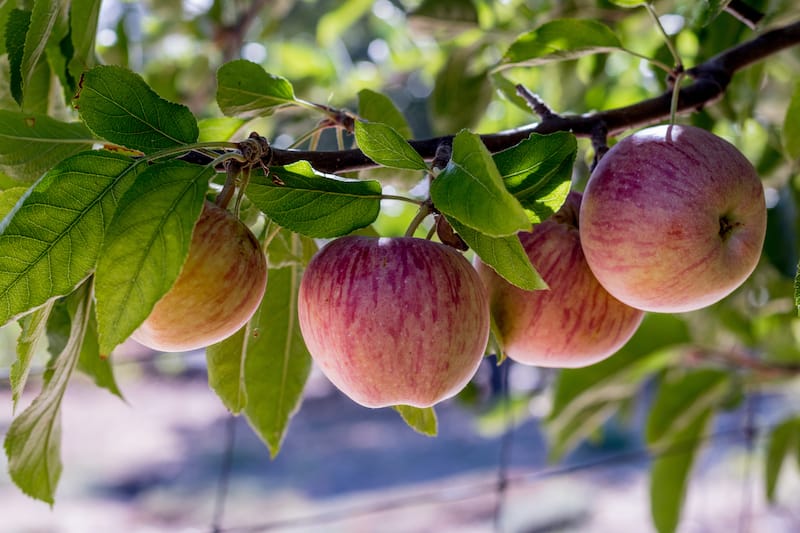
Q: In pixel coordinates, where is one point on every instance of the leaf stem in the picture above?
(402, 199)
(667, 39)
(425, 209)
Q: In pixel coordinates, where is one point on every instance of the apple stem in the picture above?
(233, 169)
(425, 209)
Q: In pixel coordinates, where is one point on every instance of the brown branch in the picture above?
(711, 78)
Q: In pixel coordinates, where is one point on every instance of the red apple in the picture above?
(219, 288)
(393, 321)
(673, 219)
(575, 322)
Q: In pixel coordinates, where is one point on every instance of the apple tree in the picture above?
(364, 156)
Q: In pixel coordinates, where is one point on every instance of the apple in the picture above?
(393, 321)
(218, 289)
(673, 219)
(573, 323)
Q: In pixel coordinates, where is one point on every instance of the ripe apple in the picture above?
(393, 321)
(673, 219)
(217, 291)
(575, 322)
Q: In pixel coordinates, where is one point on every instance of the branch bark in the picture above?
(710, 80)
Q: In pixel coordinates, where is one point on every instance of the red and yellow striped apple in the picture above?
(218, 289)
(673, 219)
(575, 322)
(393, 321)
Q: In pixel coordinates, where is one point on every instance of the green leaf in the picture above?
(579, 427)
(385, 146)
(120, 107)
(559, 40)
(538, 172)
(83, 18)
(471, 190)
(34, 331)
(32, 442)
(683, 396)
(670, 471)
(225, 361)
(791, 126)
(376, 107)
(30, 144)
(93, 364)
(447, 12)
(336, 21)
(43, 22)
(15, 32)
(146, 245)
(505, 255)
(783, 439)
(244, 89)
(709, 11)
(420, 420)
(278, 364)
(219, 128)
(50, 242)
(314, 205)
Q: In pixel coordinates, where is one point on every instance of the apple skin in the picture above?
(673, 224)
(575, 322)
(218, 289)
(394, 321)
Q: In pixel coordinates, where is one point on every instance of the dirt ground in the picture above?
(155, 462)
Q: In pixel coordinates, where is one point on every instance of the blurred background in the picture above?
(509, 456)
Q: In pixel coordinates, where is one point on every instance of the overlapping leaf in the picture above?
(51, 242)
(34, 331)
(784, 441)
(146, 246)
(471, 191)
(387, 147)
(244, 89)
(314, 205)
(119, 106)
(32, 143)
(277, 363)
(377, 107)
(558, 40)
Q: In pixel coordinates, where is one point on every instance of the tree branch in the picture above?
(711, 78)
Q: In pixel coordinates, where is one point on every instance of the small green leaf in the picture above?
(50, 242)
(471, 190)
(420, 420)
(669, 473)
(314, 205)
(579, 427)
(146, 245)
(783, 439)
(225, 361)
(34, 331)
(376, 107)
(559, 40)
(6, 8)
(119, 106)
(33, 441)
(278, 364)
(244, 89)
(791, 126)
(217, 129)
(505, 255)
(385, 146)
(30, 144)
(538, 172)
(15, 32)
